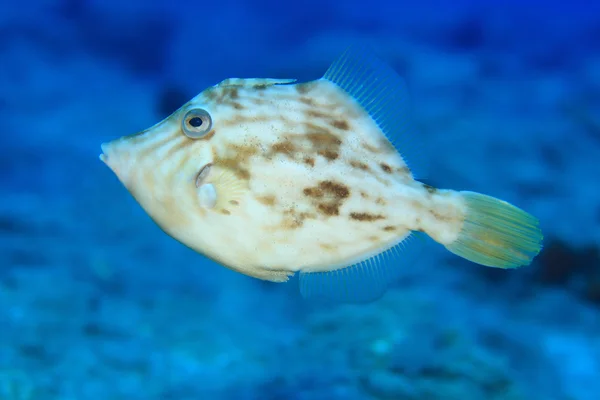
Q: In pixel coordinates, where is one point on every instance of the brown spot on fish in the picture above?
(314, 131)
(234, 166)
(316, 114)
(313, 192)
(380, 201)
(342, 125)
(330, 155)
(180, 144)
(286, 147)
(326, 246)
(359, 165)
(151, 150)
(234, 202)
(365, 217)
(294, 219)
(208, 135)
(430, 189)
(236, 159)
(389, 228)
(325, 143)
(268, 200)
(232, 93)
(308, 101)
(364, 195)
(304, 88)
(337, 189)
(373, 238)
(329, 209)
(370, 148)
(440, 217)
(225, 211)
(386, 168)
(417, 206)
(309, 161)
(329, 196)
(210, 94)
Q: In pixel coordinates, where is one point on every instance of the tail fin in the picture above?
(496, 233)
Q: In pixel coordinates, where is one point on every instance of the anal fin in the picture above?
(365, 281)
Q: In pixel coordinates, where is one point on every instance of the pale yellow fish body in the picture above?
(293, 177)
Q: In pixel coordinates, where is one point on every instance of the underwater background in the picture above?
(96, 302)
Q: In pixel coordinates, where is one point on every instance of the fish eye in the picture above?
(196, 123)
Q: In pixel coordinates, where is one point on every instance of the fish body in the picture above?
(273, 177)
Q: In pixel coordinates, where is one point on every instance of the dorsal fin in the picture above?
(382, 93)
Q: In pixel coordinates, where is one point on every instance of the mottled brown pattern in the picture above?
(294, 219)
(225, 94)
(340, 124)
(381, 201)
(182, 143)
(240, 119)
(370, 148)
(326, 246)
(286, 147)
(225, 211)
(430, 189)
(208, 136)
(152, 149)
(359, 165)
(329, 209)
(304, 88)
(234, 202)
(316, 114)
(338, 190)
(235, 166)
(440, 217)
(328, 197)
(365, 217)
(386, 168)
(389, 228)
(325, 143)
(314, 192)
(268, 200)
(302, 147)
(236, 159)
(308, 101)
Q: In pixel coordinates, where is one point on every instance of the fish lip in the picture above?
(203, 174)
(103, 155)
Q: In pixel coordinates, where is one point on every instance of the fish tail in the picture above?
(496, 233)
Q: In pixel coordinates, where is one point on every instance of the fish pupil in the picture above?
(196, 122)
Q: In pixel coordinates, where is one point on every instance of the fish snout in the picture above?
(116, 156)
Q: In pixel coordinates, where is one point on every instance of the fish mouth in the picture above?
(117, 159)
(103, 155)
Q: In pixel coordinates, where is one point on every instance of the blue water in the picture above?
(96, 302)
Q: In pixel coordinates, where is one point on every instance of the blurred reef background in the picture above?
(96, 302)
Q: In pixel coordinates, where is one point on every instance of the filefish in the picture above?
(273, 177)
